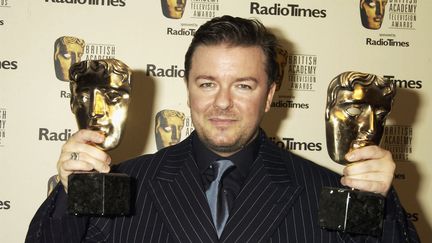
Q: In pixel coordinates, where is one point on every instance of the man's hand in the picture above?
(371, 169)
(89, 157)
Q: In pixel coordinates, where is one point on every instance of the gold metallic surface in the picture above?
(100, 96)
(281, 60)
(168, 127)
(68, 50)
(357, 107)
(173, 9)
(372, 13)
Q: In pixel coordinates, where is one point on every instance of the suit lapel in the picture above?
(264, 201)
(179, 197)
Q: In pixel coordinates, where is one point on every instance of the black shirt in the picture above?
(234, 179)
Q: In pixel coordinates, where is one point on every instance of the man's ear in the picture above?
(270, 94)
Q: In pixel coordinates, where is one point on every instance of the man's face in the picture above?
(356, 120)
(173, 8)
(101, 106)
(168, 131)
(372, 13)
(64, 57)
(228, 95)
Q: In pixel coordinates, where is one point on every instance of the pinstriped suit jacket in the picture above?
(278, 203)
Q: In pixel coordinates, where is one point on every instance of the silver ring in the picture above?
(74, 156)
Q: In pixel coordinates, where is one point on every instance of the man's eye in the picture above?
(244, 86)
(353, 111)
(207, 85)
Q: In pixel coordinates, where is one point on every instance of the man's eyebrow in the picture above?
(247, 79)
(208, 77)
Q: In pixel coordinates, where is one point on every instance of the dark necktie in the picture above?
(216, 197)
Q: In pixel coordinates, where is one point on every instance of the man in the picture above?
(67, 51)
(272, 195)
(372, 13)
(168, 127)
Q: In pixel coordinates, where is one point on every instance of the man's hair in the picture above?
(235, 31)
(347, 81)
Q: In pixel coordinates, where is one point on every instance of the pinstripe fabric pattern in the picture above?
(278, 203)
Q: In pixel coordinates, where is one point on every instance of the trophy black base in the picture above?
(351, 211)
(99, 194)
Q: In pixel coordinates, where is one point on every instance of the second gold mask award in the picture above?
(100, 94)
(357, 107)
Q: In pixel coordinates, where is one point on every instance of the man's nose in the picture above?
(223, 99)
(98, 104)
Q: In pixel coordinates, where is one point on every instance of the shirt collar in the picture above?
(243, 159)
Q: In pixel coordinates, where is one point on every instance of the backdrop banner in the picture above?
(321, 39)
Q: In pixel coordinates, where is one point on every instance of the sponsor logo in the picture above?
(386, 42)
(94, 51)
(173, 9)
(173, 71)
(402, 14)
(8, 65)
(189, 128)
(413, 216)
(5, 3)
(292, 144)
(3, 114)
(398, 140)
(204, 9)
(405, 84)
(5, 205)
(181, 31)
(289, 104)
(65, 94)
(2, 22)
(46, 135)
(301, 72)
(293, 10)
(112, 3)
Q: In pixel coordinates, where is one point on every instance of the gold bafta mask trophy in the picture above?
(100, 95)
(357, 107)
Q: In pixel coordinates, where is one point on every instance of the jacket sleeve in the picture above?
(51, 223)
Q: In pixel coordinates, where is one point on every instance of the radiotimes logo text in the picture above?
(404, 83)
(7, 64)
(46, 134)
(5, 205)
(5, 3)
(293, 10)
(292, 144)
(386, 42)
(172, 72)
(113, 3)
(289, 104)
